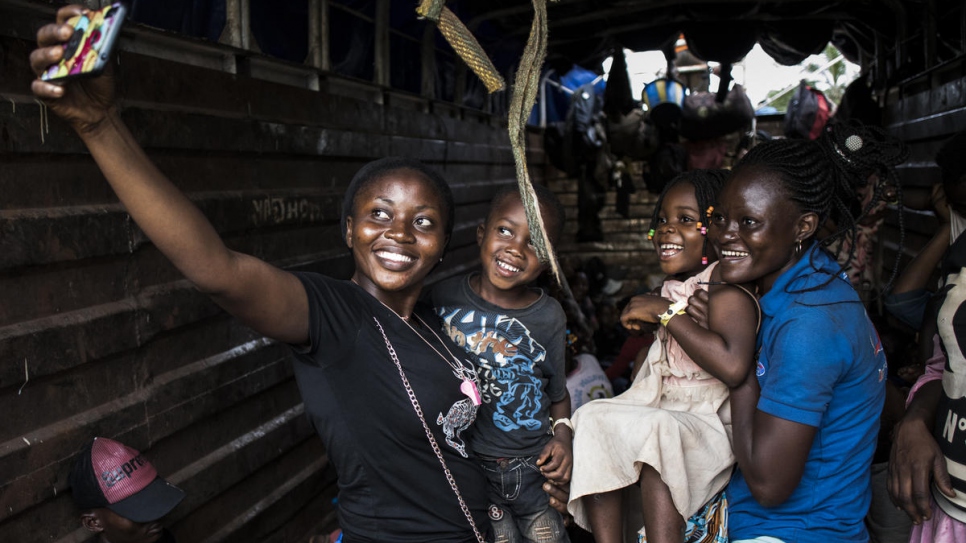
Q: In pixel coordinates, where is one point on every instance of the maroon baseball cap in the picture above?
(112, 475)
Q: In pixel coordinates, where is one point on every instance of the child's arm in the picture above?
(726, 348)
(642, 310)
(918, 273)
(557, 457)
(268, 299)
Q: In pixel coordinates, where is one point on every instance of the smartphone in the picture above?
(89, 48)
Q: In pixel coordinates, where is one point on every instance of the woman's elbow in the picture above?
(736, 376)
(769, 494)
(733, 379)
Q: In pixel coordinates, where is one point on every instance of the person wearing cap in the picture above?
(120, 494)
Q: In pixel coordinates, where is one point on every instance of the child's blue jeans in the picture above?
(519, 509)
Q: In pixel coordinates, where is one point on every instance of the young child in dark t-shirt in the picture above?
(522, 433)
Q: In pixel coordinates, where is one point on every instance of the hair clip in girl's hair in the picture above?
(704, 261)
(709, 211)
(853, 143)
(650, 234)
(704, 230)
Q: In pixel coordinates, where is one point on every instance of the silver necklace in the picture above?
(429, 433)
(469, 379)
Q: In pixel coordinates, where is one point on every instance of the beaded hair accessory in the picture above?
(852, 144)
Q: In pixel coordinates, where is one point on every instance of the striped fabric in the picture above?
(661, 91)
(709, 525)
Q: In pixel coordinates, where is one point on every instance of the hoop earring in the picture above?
(798, 248)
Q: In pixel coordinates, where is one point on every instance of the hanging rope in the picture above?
(525, 88)
(463, 42)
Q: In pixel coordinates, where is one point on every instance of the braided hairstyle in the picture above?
(707, 184)
(823, 176)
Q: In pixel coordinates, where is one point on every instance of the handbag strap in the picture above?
(429, 434)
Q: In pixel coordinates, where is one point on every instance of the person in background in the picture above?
(909, 296)
(925, 468)
(121, 497)
(585, 380)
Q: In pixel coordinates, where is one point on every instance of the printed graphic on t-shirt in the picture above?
(951, 427)
(507, 356)
(877, 351)
(459, 417)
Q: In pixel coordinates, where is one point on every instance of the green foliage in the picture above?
(832, 81)
(833, 77)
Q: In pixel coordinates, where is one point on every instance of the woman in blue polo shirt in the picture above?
(805, 423)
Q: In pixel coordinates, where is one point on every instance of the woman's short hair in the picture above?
(377, 169)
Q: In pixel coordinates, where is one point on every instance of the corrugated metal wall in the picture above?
(924, 111)
(99, 335)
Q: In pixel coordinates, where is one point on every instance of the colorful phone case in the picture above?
(89, 49)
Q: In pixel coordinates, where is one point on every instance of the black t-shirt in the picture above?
(391, 484)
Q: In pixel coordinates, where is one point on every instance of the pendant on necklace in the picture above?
(472, 392)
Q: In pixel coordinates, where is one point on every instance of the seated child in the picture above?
(671, 430)
(120, 494)
(586, 382)
(518, 334)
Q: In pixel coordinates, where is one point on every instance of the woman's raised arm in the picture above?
(266, 298)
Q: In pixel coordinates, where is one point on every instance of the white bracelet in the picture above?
(565, 421)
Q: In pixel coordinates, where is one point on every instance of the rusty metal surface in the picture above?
(100, 335)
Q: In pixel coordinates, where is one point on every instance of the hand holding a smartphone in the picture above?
(83, 101)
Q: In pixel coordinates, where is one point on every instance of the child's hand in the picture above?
(642, 310)
(911, 373)
(559, 495)
(557, 458)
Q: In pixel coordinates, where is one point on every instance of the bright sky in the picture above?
(758, 72)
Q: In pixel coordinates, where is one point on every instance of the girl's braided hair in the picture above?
(824, 175)
(707, 184)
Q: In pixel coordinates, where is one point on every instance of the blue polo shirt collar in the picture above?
(802, 274)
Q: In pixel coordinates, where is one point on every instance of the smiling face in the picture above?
(677, 238)
(509, 261)
(396, 233)
(756, 227)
